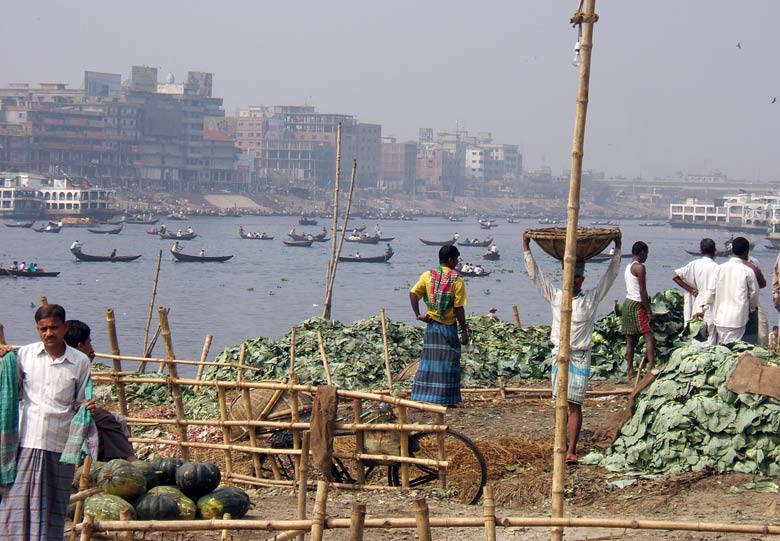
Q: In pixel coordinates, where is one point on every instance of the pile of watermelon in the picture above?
(163, 489)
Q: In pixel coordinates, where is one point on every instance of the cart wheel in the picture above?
(467, 472)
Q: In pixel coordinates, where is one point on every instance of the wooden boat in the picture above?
(363, 239)
(355, 229)
(384, 239)
(384, 258)
(81, 256)
(438, 242)
(141, 221)
(319, 237)
(478, 243)
(491, 256)
(174, 236)
(302, 243)
(253, 236)
(472, 273)
(47, 229)
(199, 258)
(114, 231)
(36, 274)
(303, 220)
(652, 224)
(177, 216)
(487, 224)
(25, 225)
(454, 219)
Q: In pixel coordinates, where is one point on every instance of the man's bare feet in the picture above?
(571, 459)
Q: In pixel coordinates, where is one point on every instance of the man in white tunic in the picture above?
(52, 380)
(693, 279)
(584, 306)
(732, 294)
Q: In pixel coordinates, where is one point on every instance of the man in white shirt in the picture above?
(693, 278)
(732, 294)
(52, 383)
(584, 306)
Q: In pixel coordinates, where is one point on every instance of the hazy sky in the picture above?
(670, 89)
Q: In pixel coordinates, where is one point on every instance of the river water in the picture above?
(269, 287)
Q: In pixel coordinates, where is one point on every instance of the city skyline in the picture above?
(668, 93)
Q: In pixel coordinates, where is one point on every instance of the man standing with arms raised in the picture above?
(584, 306)
(732, 294)
(51, 378)
(438, 377)
(693, 278)
(637, 316)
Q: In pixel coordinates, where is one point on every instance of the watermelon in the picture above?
(187, 509)
(106, 507)
(224, 500)
(120, 478)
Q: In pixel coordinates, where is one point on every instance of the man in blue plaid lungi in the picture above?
(584, 306)
(438, 377)
(51, 378)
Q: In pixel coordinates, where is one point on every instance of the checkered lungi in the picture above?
(438, 377)
(579, 374)
(634, 318)
(34, 506)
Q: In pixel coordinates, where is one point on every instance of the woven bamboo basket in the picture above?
(590, 240)
(263, 410)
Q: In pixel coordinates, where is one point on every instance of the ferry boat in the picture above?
(25, 195)
(739, 213)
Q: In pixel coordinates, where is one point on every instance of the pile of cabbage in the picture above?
(687, 420)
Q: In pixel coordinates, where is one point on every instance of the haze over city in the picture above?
(671, 90)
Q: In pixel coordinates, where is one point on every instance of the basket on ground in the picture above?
(590, 240)
(267, 405)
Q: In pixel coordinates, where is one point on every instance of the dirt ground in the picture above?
(515, 435)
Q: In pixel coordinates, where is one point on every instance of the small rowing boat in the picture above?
(187, 258)
(48, 229)
(438, 242)
(32, 274)
(384, 258)
(301, 243)
(25, 225)
(177, 236)
(81, 256)
(113, 231)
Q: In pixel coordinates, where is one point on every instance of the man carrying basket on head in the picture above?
(438, 378)
(584, 306)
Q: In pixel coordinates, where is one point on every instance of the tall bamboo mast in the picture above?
(586, 19)
(332, 262)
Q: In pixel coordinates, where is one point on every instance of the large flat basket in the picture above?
(590, 240)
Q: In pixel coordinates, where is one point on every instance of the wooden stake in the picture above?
(332, 261)
(241, 362)
(388, 372)
(114, 344)
(126, 515)
(404, 443)
(325, 365)
(357, 522)
(501, 388)
(569, 261)
(360, 440)
(86, 527)
(151, 303)
(170, 358)
(337, 253)
(44, 300)
(83, 485)
(318, 515)
(442, 452)
(225, 430)
(2, 335)
(489, 513)
(252, 432)
(148, 351)
(225, 531)
(422, 518)
(294, 409)
(303, 475)
(204, 356)
(517, 317)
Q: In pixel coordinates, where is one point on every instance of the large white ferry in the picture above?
(27, 195)
(742, 212)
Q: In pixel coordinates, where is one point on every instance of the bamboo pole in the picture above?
(151, 303)
(225, 431)
(404, 446)
(82, 495)
(114, 344)
(282, 425)
(177, 396)
(436, 522)
(569, 260)
(252, 433)
(303, 475)
(517, 317)
(357, 521)
(442, 452)
(325, 365)
(501, 388)
(2, 335)
(204, 355)
(87, 527)
(44, 300)
(294, 410)
(318, 515)
(148, 351)
(388, 372)
(360, 440)
(224, 536)
(126, 515)
(332, 261)
(422, 519)
(83, 485)
(241, 361)
(489, 513)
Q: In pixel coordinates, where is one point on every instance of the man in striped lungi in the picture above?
(438, 377)
(50, 379)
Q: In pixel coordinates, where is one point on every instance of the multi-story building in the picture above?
(399, 165)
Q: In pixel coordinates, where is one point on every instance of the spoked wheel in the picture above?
(467, 471)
